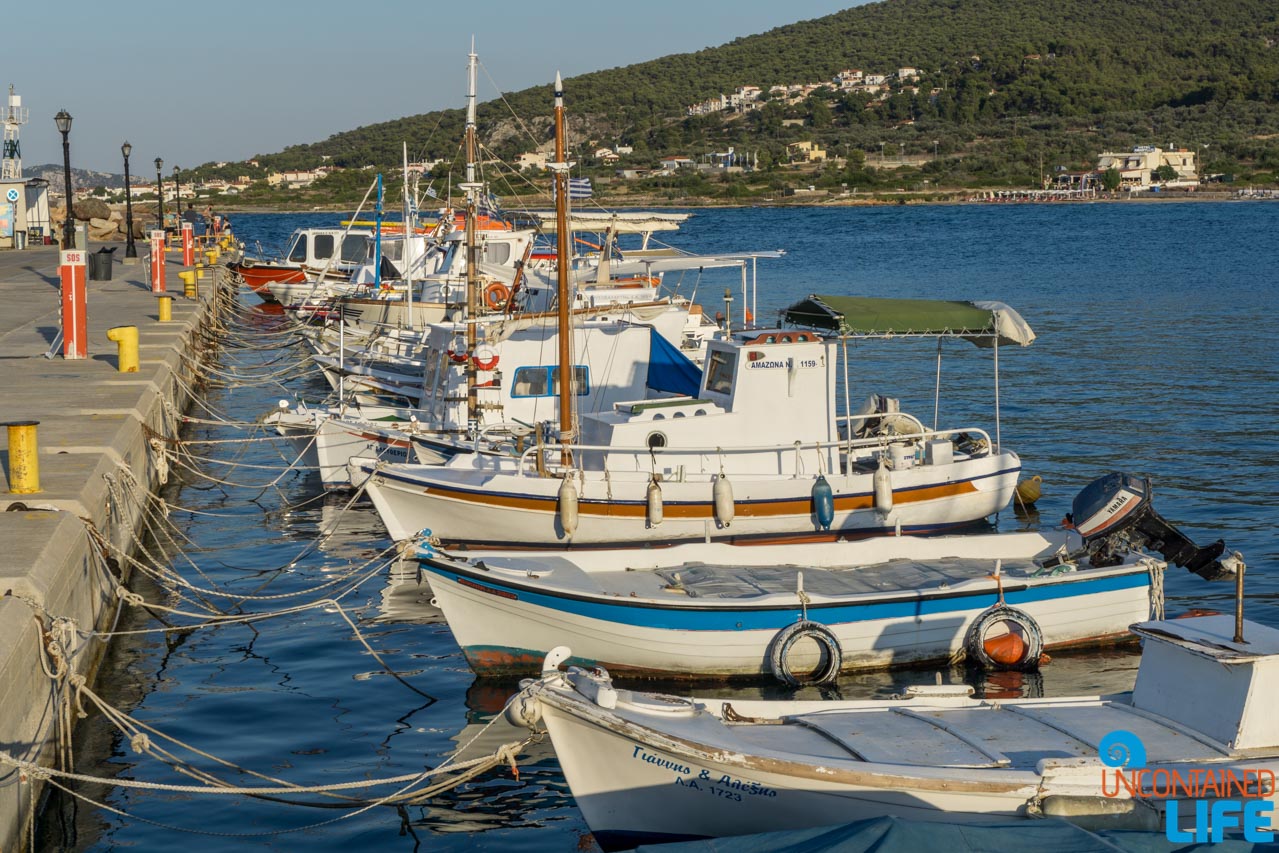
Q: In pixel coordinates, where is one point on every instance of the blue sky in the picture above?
(194, 81)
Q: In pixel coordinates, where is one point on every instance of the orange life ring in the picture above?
(495, 295)
(483, 362)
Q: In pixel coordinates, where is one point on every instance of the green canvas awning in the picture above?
(982, 323)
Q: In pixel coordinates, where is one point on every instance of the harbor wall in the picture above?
(99, 438)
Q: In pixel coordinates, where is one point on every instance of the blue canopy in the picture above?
(669, 369)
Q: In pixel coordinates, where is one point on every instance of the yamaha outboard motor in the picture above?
(1114, 514)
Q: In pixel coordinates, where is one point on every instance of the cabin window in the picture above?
(298, 252)
(581, 380)
(719, 372)
(323, 246)
(656, 441)
(544, 381)
(355, 248)
(497, 253)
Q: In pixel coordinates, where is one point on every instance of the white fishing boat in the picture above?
(712, 610)
(766, 438)
(1194, 744)
(312, 251)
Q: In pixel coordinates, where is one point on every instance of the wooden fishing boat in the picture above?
(724, 611)
(714, 610)
(1195, 742)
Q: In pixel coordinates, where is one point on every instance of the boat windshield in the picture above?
(297, 252)
(323, 246)
(355, 248)
(719, 372)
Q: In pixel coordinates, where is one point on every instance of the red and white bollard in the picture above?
(157, 261)
(188, 244)
(75, 338)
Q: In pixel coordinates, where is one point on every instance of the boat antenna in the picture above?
(472, 248)
(563, 242)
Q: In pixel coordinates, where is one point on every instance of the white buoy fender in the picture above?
(654, 503)
(568, 506)
(723, 495)
(883, 489)
(524, 710)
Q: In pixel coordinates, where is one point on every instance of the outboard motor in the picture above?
(1114, 513)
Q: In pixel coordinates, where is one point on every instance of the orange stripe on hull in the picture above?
(706, 510)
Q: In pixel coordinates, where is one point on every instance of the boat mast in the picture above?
(409, 230)
(472, 249)
(562, 261)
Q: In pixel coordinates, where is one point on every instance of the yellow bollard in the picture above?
(190, 289)
(24, 459)
(212, 256)
(199, 271)
(166, 307)
(126, 338)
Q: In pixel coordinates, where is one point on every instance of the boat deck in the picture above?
(712, 583)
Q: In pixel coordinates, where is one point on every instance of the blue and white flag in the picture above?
(579, 188)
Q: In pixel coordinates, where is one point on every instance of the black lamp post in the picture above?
(130, 251)
(159, 192)
(177, 197)
(63, 121)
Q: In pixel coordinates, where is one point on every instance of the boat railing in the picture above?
(545, 459)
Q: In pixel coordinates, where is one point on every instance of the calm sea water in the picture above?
(1157, 325)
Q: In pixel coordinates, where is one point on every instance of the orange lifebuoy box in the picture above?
(496, 295)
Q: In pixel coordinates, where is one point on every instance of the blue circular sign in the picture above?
(12, 194)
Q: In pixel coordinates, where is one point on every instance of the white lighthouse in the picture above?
(14, 116)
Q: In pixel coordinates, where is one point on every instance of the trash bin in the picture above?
(100, 264)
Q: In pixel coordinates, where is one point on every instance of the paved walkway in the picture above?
(95, 462)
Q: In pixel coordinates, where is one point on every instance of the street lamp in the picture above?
(934, 149)
(63, 121)
(159, 192)
(177, 196)
(130, 251)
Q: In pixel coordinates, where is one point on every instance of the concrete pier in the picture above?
(96, 466)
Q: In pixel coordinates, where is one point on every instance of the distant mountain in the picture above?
(52, 172)
(989, 68)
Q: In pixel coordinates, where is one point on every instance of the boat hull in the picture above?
(506, 628)
(498, 510)
(259, 276)
(633, 792)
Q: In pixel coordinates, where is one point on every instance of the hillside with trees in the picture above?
(1008, 89)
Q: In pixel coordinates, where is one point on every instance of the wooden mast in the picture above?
(563, 259)
(472, 248)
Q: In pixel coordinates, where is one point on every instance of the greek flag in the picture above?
(431, 193)
(579, 188)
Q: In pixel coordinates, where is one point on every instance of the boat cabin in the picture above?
(519, 375)
(766, 388)
(337, 248)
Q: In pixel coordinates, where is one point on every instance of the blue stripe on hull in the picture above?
(776, 617)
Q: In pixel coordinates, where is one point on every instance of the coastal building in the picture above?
(1137, 167)
(297, 178)
(806, 152)
(536, 160)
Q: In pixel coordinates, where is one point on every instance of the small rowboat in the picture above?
(1196, 737)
